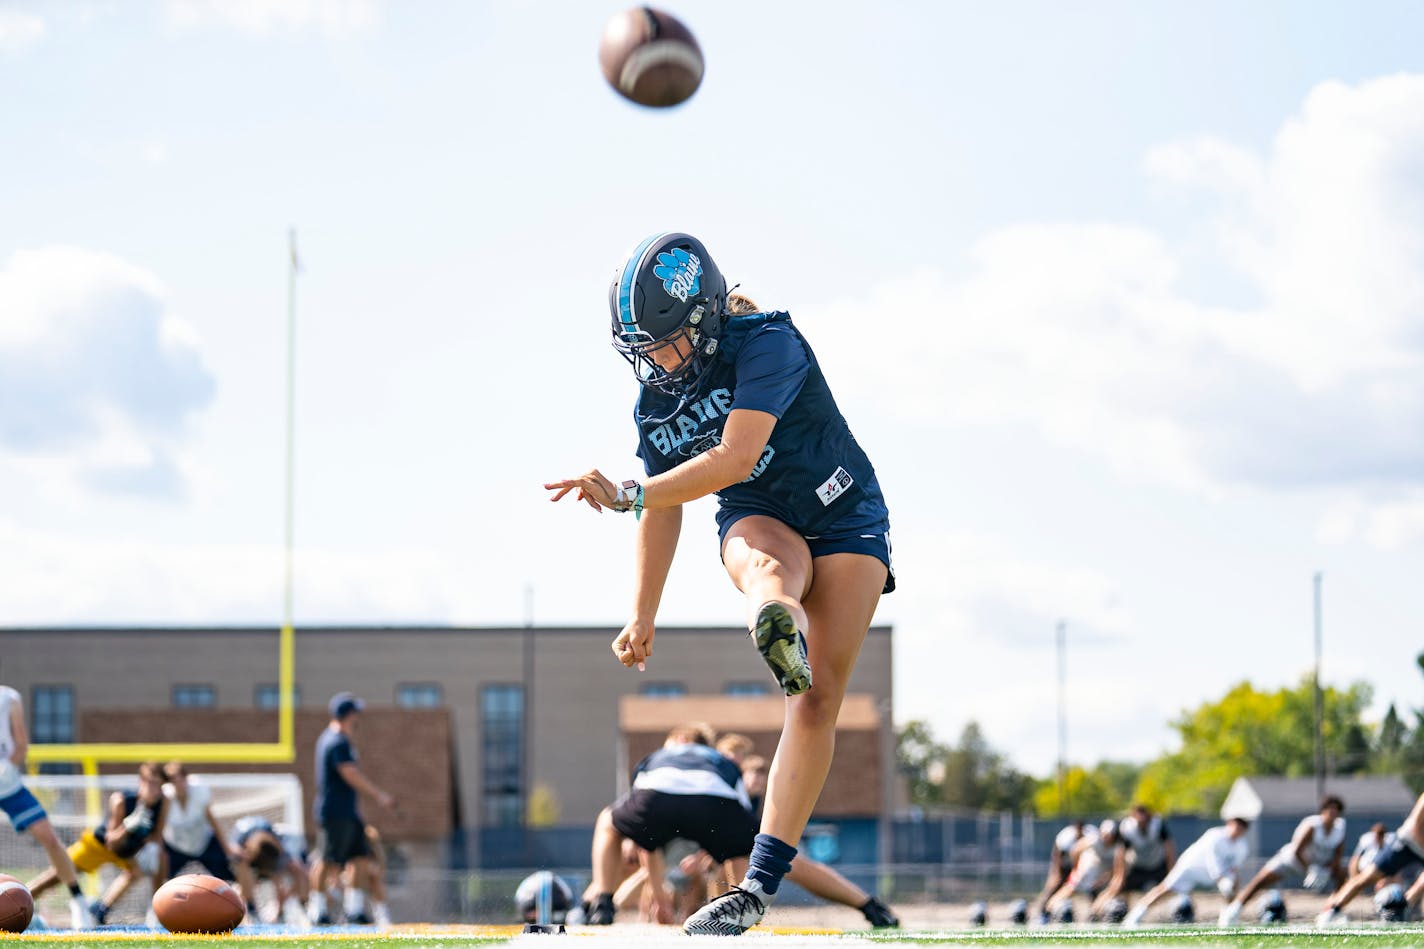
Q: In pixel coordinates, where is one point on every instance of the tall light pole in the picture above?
(1061, 639)
(1319, 701)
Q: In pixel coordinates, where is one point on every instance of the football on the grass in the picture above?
(197, 903)
(649, 57)
(17, 907)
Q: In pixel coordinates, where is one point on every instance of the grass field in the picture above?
(652, 937)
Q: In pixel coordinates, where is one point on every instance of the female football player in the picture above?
(733, 402)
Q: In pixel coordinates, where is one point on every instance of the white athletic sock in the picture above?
(355, 902)
(381, 913)
(316, 905)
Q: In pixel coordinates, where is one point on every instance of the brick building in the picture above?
(476, 729)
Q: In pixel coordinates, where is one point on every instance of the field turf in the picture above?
(457, 937)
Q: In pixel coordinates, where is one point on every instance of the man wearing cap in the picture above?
(341, 833)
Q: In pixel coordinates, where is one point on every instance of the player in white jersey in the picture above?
(26, 813)
(1405, 853)
(1060, 863)
(1213, 860)
(1152, 853)
(1371, 842)
(191, 833)
(1314, 857)
(1091, 859)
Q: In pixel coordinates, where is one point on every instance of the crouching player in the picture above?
(1405, 853)
(134, 821)
(1313, 857)
(1091, 860)
(1212, 861)
(261, 853)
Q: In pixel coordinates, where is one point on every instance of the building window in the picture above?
(747, 689)
(420, 695)
(502, 722)
(265, 696)
(662, 690)
(52, 722)
(194, 696)
(52, 714)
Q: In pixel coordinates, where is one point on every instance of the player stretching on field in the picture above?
(129, 833)
(684, 789)
(1153, 853)
(734, 403)
(26, 813)
(1060, 863)
(341, 839)
(1313, 854)
(1211, 861)
(261, 853)
(1405, 852)
(191, 834)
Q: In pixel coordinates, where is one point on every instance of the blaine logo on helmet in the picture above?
(680, 272)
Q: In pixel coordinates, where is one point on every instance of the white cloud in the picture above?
(263, 17)
(52, 579)
(19, 30)
(1387, 524)
(1090, 334)
(97, 380)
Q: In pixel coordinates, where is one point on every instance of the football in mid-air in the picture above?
(17, 906)
(197, 903)
(650, 58)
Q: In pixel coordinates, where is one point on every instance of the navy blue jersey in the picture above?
(691, 769)
(335, 799)
(136, 832)
(812, 476)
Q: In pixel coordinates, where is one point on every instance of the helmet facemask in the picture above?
(690, 346)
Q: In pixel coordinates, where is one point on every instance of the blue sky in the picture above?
(1124, 300)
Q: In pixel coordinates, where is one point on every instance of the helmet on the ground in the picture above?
(978, 913)
(543, 888)
(1063, 912)
(1018, 912)
(668, 295)
(1390, 905)
(1116, 910)
(1273, 907)
(1184, 912)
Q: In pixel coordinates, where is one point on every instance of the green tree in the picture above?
(920, 759)
(969, 774)
(1247, 732)
(1084, 792)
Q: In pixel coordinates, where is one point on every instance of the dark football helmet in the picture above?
(668, 297)
(544, 888)
(1184, 912)
(1390, 905)
(1273, 908)
(1116, 911)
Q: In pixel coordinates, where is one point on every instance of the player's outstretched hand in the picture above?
(635, 644)
(592, 488)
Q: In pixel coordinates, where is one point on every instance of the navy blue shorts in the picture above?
(873, 541)
(213, 859)
(1396, 857)
(22, 808)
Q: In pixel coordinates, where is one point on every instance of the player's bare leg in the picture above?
(1231, 911)
(1143, 905)
(771, 563)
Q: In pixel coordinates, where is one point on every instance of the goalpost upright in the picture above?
(90, 755)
